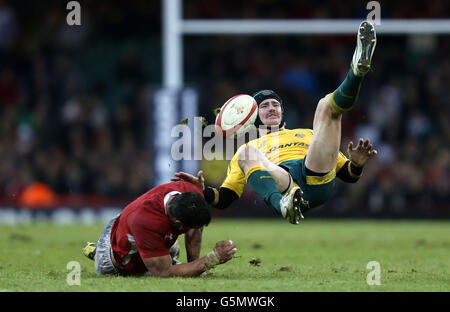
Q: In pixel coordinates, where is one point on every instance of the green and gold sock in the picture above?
(345, 96)
(263, 184)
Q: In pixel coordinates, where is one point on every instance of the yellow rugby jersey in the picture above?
(279, 146)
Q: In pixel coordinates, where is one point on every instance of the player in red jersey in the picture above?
(142, 239)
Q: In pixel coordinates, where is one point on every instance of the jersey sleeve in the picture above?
(341, 160)
(235, 179)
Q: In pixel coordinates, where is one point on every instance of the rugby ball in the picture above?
(237, 116)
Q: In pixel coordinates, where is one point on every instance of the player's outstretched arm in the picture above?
(220, 198)
(162, 266)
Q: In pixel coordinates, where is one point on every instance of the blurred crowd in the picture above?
(276, 9)
(74, 100)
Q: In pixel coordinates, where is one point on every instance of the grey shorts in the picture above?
(103, 262)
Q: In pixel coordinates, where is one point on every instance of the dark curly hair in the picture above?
(191, 209)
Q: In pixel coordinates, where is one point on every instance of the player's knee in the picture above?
(250, 153)
(327, 97)
(324, 108)
(249, 156)
(324, 102)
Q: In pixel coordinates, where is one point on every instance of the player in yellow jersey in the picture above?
(295, 170)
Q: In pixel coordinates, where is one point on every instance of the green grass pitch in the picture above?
(273, 255)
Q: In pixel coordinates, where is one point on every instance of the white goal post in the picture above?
(175, 27)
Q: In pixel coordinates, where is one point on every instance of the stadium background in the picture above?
(75, 110)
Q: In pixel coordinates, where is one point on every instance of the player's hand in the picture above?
(225, 250)
(197, 180)
(362, 153)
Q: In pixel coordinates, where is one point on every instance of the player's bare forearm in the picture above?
(190, 269)
(162, 266)
(193, 243)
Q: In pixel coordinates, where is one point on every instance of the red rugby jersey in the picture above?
(143, 229)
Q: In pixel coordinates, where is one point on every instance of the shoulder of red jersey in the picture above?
(154, 198)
